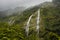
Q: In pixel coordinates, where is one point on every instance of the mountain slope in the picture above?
(49, 24)
(12, 11)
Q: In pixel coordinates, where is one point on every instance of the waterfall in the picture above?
(11, 21)
(38, 21)
(28, 24)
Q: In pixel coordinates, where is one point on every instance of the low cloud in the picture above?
(7, 4)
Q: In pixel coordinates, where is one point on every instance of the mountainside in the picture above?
(12, 11)
(47, 4)
(15, 25)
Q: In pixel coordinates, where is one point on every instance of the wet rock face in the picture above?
(57, 2)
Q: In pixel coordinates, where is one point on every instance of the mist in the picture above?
(8, 4)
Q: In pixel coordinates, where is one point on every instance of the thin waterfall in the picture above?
(28, 24)
(38, 21)
(11, 21)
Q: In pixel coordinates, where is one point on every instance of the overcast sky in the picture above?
(7, 4)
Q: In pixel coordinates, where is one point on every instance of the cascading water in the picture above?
(28, 24)
(11, 21)
(38, 21)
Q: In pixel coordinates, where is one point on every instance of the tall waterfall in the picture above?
(38, 21)
(28, 24)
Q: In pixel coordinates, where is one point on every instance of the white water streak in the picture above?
(28, 24)
(38, 21)
(11, 21)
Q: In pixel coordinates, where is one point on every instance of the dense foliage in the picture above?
(49, 25)
(16, 30)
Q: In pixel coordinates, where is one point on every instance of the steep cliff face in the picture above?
(50, 16)
(57, 2)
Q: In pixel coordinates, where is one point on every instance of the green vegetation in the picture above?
(51, 18)
(49, 25)
(15, 31)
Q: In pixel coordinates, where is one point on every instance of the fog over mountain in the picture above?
(8, 4)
